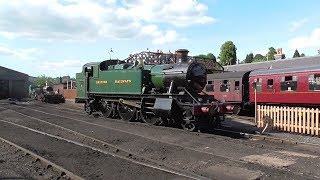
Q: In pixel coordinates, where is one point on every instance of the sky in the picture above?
(56, 37)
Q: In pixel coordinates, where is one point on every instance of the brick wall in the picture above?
(69, 93)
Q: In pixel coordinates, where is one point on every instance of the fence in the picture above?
(290, 119)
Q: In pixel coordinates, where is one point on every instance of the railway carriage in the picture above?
(231, 88)
(149, 89)
(291, 86)
(299, 86)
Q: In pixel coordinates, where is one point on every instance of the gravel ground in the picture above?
(210, 155)
(15, 164)
(249, 126)
(82, 161)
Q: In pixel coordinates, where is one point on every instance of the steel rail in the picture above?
(190, 176)
(48, 163)
(134, 134)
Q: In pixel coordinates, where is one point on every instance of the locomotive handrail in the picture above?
(191, 96)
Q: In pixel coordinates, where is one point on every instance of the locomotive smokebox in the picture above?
(182, 55)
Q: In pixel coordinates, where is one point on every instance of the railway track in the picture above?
(230, 132)
(63, 173)
(129, 158)
(209, 152)
(264, 139)
(116, 151)
(110, 147)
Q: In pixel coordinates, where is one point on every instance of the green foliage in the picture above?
(249, 58)
(209, 55)
(271, 53)
(259, 60)
(302, 55)
(42, 80)
(228, 54)
(296, 54)
(259, 57)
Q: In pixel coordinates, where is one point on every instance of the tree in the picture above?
(271, 53)
(208, 56)
(296, 54)
(249, 58)
(259, 57)
(211, 56)
(228, 53)
(302, 55)
(42, 80)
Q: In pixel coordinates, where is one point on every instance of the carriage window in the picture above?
(270, 83)
(209, 86)
(259, 84)
(236, 85)
(225, 86)
(289, 83)
(314, 82)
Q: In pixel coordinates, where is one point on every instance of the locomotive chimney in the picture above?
(182, 55)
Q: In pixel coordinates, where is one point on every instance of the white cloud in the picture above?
(25, 54)
(59, 65)
(295, 25)
(159, 37)
(309, 41)
(175, 12)
(94, 19)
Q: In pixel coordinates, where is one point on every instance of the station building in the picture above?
(13, 84)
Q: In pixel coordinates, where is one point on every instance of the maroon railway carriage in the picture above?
(291, 86)
(232, 88)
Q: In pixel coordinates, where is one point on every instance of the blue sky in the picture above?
(56, 37)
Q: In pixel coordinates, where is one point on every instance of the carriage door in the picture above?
(237, 91)
(270, 85)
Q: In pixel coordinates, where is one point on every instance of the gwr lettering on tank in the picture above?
(127, 81)
(101, 82)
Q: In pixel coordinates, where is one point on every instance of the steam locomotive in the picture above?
(152, 87)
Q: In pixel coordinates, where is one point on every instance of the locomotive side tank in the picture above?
(154, 93)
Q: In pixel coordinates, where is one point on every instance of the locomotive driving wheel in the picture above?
(88, 108)
(188, 122)
(107, 109)
(150, 118)
(189, 126)
(126, 112)
(147, 114)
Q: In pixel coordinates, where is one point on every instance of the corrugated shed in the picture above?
(9, 74)
(13, 84)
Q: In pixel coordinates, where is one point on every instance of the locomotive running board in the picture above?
(130, 103)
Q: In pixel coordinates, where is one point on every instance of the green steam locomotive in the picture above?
(155, 88)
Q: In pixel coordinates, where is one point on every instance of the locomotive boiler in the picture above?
(153, 89)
